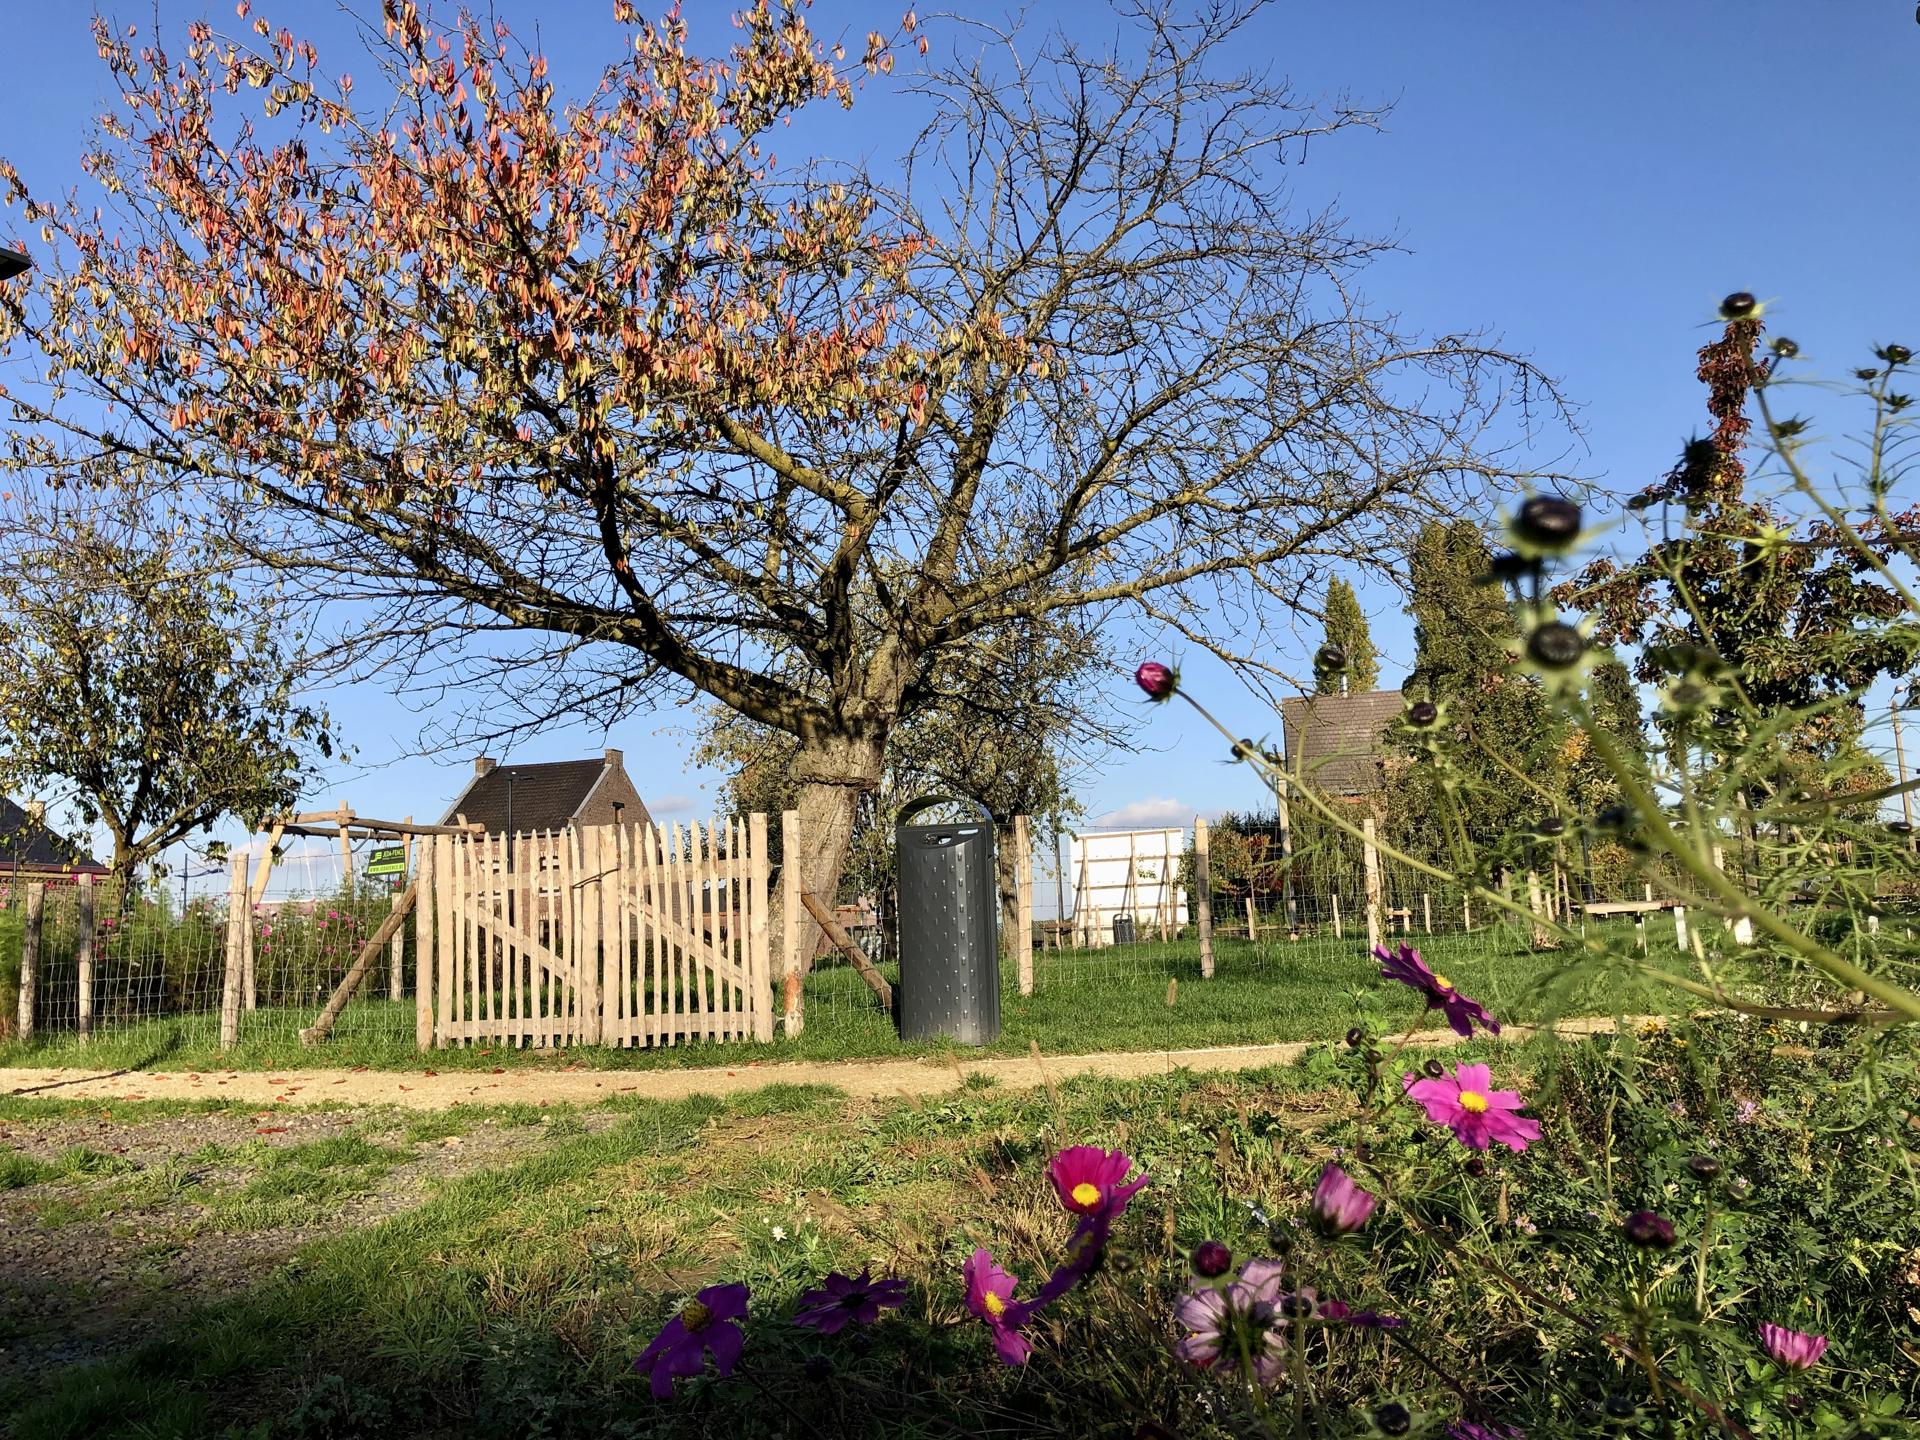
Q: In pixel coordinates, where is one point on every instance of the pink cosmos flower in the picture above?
(1238, 1329)
(1091, 1181)
(703, 1326)
(1467, 1104)
(848, 1300)
(990, 1297)
(1341, 1207)
(1409, 969)
(1793, 1349)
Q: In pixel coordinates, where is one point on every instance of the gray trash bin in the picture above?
(1123, 929)
(949, 928)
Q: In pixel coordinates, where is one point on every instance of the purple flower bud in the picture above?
(1793, 1349)
(1643, 1227)
(1341, 1207)
(1157, 680)
(1211, 1259)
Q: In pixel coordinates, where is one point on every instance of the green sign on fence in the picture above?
(391, 861)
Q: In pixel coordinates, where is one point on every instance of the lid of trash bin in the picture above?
(914, 807)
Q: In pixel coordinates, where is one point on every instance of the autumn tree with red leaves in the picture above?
(592, 403)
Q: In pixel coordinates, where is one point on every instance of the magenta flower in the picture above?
(1238, 1329)
(1478, 1115)
(1157, 680)
(1341, 1207)
(703, 1325)
(990, 1297)
(1409, 969)
(1091, 1181)
(1793, 1349)
(848, 1300)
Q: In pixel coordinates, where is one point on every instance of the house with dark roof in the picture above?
(1339, 742)
(537, 801)
(518, 799)
(30, 851)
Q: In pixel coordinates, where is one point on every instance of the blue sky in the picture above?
(1586, 180)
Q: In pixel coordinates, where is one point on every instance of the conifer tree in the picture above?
(1347, 628)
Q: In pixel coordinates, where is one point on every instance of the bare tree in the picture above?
(595, 406)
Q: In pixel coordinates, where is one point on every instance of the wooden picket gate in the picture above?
(603, 935)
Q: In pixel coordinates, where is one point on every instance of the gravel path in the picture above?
(428, 1089)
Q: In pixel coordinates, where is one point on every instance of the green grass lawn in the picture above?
(1139, 997)
(513, 1299)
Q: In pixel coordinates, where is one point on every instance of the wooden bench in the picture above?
(1638, 909)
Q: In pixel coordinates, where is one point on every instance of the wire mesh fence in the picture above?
(147, 962)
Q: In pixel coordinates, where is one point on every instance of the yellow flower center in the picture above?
(696, 1317)
(1473, 1102)
(1085, 1194)
(1442, 981)
(996, 1307)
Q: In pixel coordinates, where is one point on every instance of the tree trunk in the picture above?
(832, 771)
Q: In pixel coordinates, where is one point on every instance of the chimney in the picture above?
(482, 765)
(613, 758)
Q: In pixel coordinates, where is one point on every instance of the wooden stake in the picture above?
(1286, 860)
(1023, 902)
(793, 1003)
(362, 962)
(1680, 926)
(256, 892)
(1203, 894)
(1426, 911)
(83, 906)
(759, 881)
(1542, 939)
(1371, 852)
(423, 952)
(1253, 925)
(30, 956)
(238, 917)
(345, 817)
(397, 982)
(1338, 934)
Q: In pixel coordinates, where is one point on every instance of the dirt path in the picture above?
(427, 1089)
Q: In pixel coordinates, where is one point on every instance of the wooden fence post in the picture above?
(83, 952)
(397, 976)
(1542, 940)
(1203, 894)
(423, 950)
(1253, 924)
(792, 1003)
(1680, 927)
(236, 957)
(1375, 902)
(30, 956)
(1426, 911)
(1023, 901)
(1338, 933)
(759, 886)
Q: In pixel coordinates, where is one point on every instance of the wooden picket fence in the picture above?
(621, 935)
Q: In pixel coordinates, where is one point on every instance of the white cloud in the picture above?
(1159, 810)
(671, 805)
